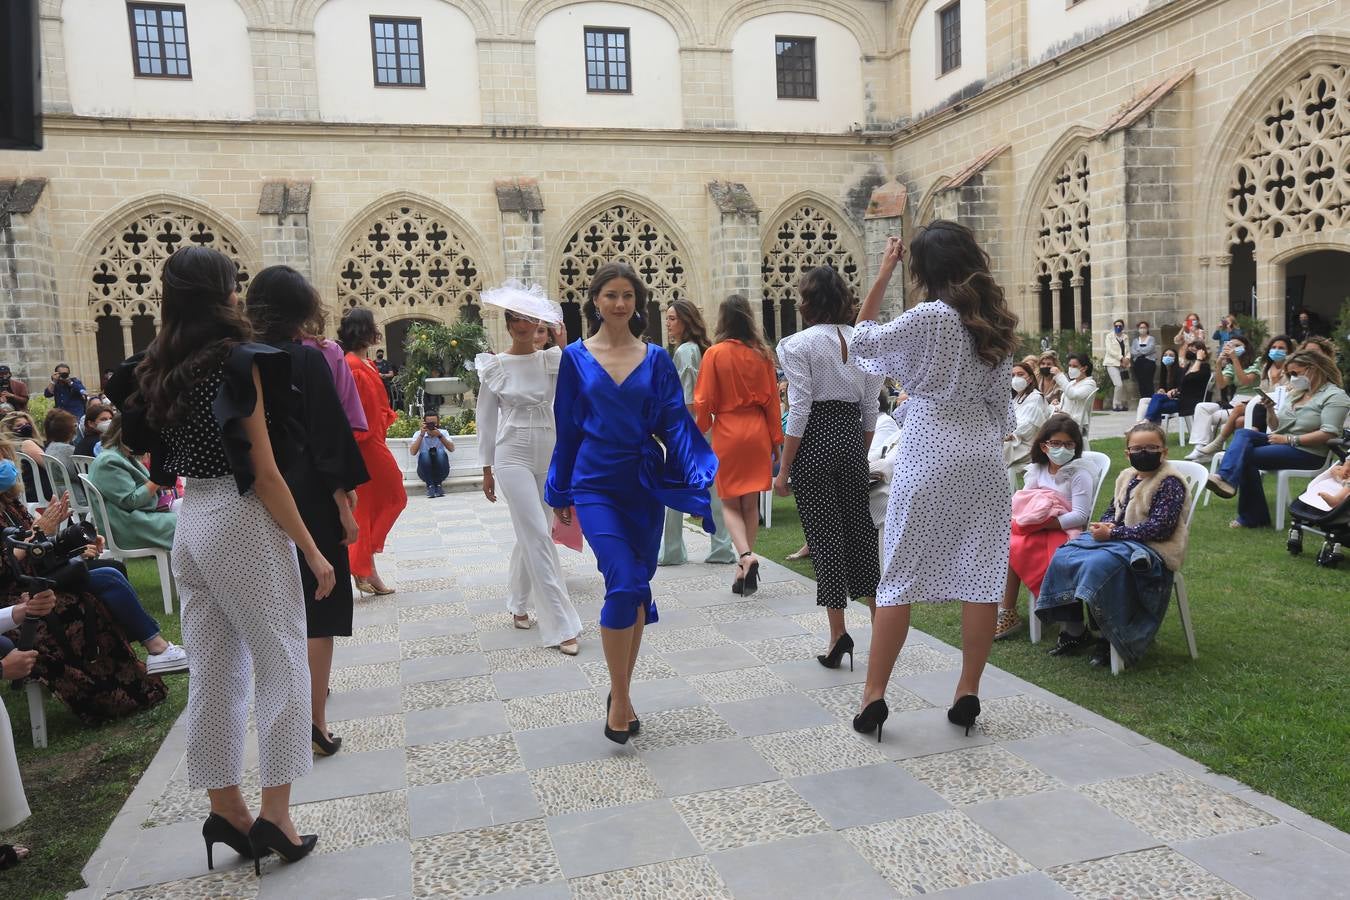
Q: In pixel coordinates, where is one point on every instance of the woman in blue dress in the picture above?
(616, 396)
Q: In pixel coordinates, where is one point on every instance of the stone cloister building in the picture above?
(1117, 158)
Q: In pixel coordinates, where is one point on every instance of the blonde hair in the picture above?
(1316, 361)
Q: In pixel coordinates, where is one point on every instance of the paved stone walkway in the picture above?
(474, 764)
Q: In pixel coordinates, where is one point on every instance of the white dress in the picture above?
(948, 521)
(516, 437)
(13, 803)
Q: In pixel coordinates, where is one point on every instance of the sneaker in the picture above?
(1067, 645)
(1199, 455)
(173, 659)
(431, 492)
(1101, 654)
(1008, 622)
(1221, 487)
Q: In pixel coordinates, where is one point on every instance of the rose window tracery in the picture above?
(806, 238)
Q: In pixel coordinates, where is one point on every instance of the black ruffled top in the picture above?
(327, 452)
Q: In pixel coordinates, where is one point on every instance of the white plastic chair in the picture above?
(62, 484)
(1194, 475)
(160, 554)
(1184, 423)
(766, 508)
(82, 463)
(1100, 464)
(1283, 478)
(37, 712)
(34, 470)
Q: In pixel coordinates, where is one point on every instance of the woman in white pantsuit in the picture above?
(216, 409)
(516, 436)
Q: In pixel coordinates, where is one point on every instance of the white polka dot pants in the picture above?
(243, 608)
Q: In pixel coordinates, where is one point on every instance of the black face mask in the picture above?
(1146, 460)
(1045, 371)
(24, 431)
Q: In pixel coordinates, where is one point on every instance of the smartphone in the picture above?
(1264, 396)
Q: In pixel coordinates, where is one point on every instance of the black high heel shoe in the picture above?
(633, 727)
(264, 837)
(874, 715)
(218, 830)
(832, 659)
(751, 582)
(964, 712)
(323, 744)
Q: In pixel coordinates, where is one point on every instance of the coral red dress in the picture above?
(380, 500)
(737, 399)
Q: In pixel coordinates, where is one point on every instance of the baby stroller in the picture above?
(1333, 525)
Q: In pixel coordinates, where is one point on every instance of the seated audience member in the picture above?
(881, 457)
(17, 430)
(1053, 506)
(13, 392)
(1047, 367)
(1272, 382)
(1321, 345)
(1239, 371)
(104, 603)
(432, 447)
(1076, 388)
(1031, 411)
(1122, 569)
(1186, 385)
(1313, 412)
(140, 512)
(97, 419)
(59, 429)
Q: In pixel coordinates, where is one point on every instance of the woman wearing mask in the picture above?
(216, 409)
(1053, 506)
(97, 419)
(380, 500)
(1143, 359)
(684, 325)
(324, 471)
(1126, 561)
(1031, 411)
(1239, 371)
(616, 395)
(948, 517)
(17, 429)
(1077, 388)
(736, 398)
(1190, 332)
(516, 428)
(1190, 387)
(1047, 370)
(832, 416)
(1313, 412)
(1116, 359)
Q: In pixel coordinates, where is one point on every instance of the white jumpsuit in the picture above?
(516, 436)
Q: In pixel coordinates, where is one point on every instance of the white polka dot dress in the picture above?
(948, 521)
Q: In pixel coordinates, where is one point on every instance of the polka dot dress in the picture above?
(948, 522)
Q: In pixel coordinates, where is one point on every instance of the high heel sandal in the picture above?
(832, 659)
(750, 583)
(633, 727)
(874, 715)
(324, 744)
(964, 712)
(365, 587)
(264, 837)
(218, 830)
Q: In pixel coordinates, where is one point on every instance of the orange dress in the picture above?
(380, 500)
(737, 397)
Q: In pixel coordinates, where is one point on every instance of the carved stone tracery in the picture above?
(805, 238)
(1063, 247)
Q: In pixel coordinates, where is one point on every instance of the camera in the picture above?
(52, 563)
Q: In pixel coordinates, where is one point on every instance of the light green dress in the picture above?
(687, 358)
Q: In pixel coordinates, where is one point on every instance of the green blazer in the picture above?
(133, 519)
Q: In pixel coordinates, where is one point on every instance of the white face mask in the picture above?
(1019, 383)
(103, 426)
(1074, 372)
(1060, 455)
(1300, 383)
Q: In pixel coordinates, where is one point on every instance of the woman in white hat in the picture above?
(516, 435)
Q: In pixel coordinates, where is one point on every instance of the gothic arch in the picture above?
(929, 202)
(478, 12)
(674, 13)
(842, 13)
(405, 255)
(806, 231)
(1054, 240)
(620, 227)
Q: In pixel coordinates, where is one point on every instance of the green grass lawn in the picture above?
(1266, 702)
(76, 785)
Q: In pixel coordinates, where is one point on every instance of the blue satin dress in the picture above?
(608, 463)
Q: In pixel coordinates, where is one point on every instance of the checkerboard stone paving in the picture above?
(474, 765)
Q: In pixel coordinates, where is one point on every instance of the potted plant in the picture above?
(450, 348)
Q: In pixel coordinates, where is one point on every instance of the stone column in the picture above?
(521, 207)
(1111, 267)
(506, 81)
(737, 249)
(884, 218)
(32, 335)
(285, 233)
(285, 82)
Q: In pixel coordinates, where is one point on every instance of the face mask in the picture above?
(1074, 372)
(1119, 329)
(1169, 360)
(1019, 384)
(1143, 332)
(1277, 355)
(103, 426)
(1060, 455)
(1045, 371)
(1239, 350)
(1146, 460)
(1297, 383)
(24, 431)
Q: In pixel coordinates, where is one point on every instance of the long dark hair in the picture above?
(735, 322)
(826, 299)
(694, 328)
(946, 262)
(283, 305)
(603, 276)
(1052, 426)
(199, 326)
(357, 330)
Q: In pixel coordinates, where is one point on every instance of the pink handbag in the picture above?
(568, 536)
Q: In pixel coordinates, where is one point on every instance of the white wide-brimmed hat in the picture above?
(528, 301)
